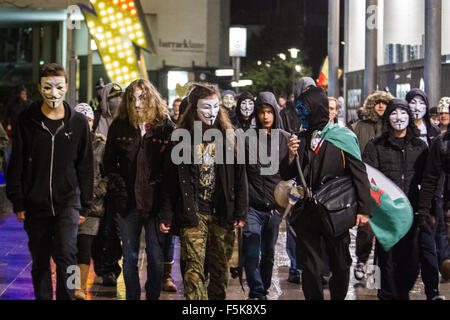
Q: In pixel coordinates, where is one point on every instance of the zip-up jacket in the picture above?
(48, 172)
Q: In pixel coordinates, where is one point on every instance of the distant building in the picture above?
(190, 39)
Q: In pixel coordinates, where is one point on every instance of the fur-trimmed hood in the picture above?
(371, 102)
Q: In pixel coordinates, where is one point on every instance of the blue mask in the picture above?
(302, 113)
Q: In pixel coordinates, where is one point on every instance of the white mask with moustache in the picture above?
(208, 110)
(399, 119)
(53, 89)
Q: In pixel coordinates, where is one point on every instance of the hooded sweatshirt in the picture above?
(302, 84)
(251, 121)
(107, 115)
(432, 131)
(261, 187)
(50, 171)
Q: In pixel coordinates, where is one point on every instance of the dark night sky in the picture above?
(312, 17)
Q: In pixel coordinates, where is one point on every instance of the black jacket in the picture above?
(403, 164)
(291, 121)
(261, 187)
(180, 193)
(41, 184)
(438, 163)
(401, 160)
(330, 162)
(138, 161)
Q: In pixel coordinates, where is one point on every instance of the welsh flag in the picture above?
(392, 213)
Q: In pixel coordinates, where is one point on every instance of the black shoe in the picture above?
(109, 280)
(294, 278)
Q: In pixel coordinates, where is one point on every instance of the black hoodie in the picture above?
(47, 173)
(242, 123)
(261, 187)
(432, 130)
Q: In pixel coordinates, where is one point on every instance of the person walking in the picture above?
(400, 154)
(134, 153)
(204, 201)
(50, 181)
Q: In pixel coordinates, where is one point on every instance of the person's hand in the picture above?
(20, 216)
(239, 224)
(425, 221)
(293, 146)
(81, 219)
(362, 220)
(164, 228)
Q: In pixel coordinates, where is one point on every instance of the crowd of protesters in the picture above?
(86, 180)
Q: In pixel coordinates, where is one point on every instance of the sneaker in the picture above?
(438, 298)
(109, 280)
(359, 271)
(294, 277)
(259, 298)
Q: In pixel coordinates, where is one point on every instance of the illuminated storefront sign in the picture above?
(115, 27)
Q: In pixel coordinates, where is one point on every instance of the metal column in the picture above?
(433, 36)
(370, 73)
(333, 47)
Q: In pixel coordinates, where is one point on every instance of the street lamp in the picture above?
(294, 53)
(238, 48)
(282, 56)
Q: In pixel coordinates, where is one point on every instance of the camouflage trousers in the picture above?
(207, 238)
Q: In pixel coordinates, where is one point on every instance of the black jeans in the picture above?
(311, 236)
(55, 237)
(399, 267)
(364, 244)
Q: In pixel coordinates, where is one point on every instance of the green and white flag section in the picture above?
(392, 214)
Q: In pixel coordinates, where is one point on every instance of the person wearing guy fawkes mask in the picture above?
(135, 149)
(419, 105)
(400, 154)
(111, 99)
(325, 151)
(245, 114)
(203, 203)
(229, 102)
(50, 182)
(437, 248)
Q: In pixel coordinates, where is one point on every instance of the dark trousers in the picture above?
(399, 267)
(296, 264)
(55, 237)
(130, 233)
(260, 235)
(364, 244)
(429, 262)
(84, 245)
(310, 234)
(106, 249)
(442, 241)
